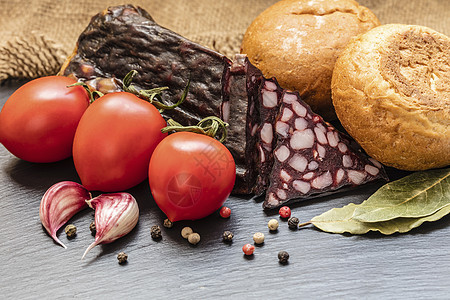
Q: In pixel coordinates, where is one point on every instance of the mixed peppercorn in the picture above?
(293, 222)
(227, 236)
(92, 228)
(248, 249)
(285, 212)
(283, 257)
(167, 223)
(122, 257)
(71, 231)
(155, 232)
(225, 212)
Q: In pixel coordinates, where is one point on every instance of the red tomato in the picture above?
(38, 121)
(191, 175)
(115, 140)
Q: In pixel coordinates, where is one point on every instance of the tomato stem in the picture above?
(93, 95)
(211, 126)
(152, 95)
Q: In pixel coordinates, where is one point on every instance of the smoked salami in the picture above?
(124, 38)
(313, 158)
(279, 145)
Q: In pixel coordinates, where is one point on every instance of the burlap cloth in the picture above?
(36, 36)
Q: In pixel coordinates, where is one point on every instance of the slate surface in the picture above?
(415, 265)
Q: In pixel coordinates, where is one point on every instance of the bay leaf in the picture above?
(339, 220)
(417, 195)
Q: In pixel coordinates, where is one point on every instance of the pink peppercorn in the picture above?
(248, 249)
(225, 212)
(285, 212)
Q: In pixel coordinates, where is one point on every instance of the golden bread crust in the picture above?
(391, 92)
(298, 42)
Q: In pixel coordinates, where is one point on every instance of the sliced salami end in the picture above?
(267, 102)
(318, 158)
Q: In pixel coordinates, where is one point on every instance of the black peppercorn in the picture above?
(155, 231)
(92, 228)
(168, 223)
(283, 257)
(122, 257)
(293, 222)
(227, 236)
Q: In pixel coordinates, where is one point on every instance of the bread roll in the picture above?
(391, 91)
(298, 42)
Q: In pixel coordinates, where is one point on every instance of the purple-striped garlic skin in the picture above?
(116, 215)
(60, 203)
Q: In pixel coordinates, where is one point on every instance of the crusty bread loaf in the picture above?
(391, 92)
(298, 42)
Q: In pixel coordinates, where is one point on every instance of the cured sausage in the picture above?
(242, 88)
(277, 142)
(269, 96)
(125, 38)
(313, 158)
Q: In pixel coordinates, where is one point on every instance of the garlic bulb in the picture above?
(115, 215)
(60, 203)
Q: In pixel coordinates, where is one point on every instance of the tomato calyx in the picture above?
(211, 126)
(152, 95)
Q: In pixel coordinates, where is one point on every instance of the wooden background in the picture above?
(415, 265)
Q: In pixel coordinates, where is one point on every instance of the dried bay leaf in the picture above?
(414, 196)
(339, 220)
(398, 206)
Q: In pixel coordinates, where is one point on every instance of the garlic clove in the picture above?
(116, 215)
(60, 203)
